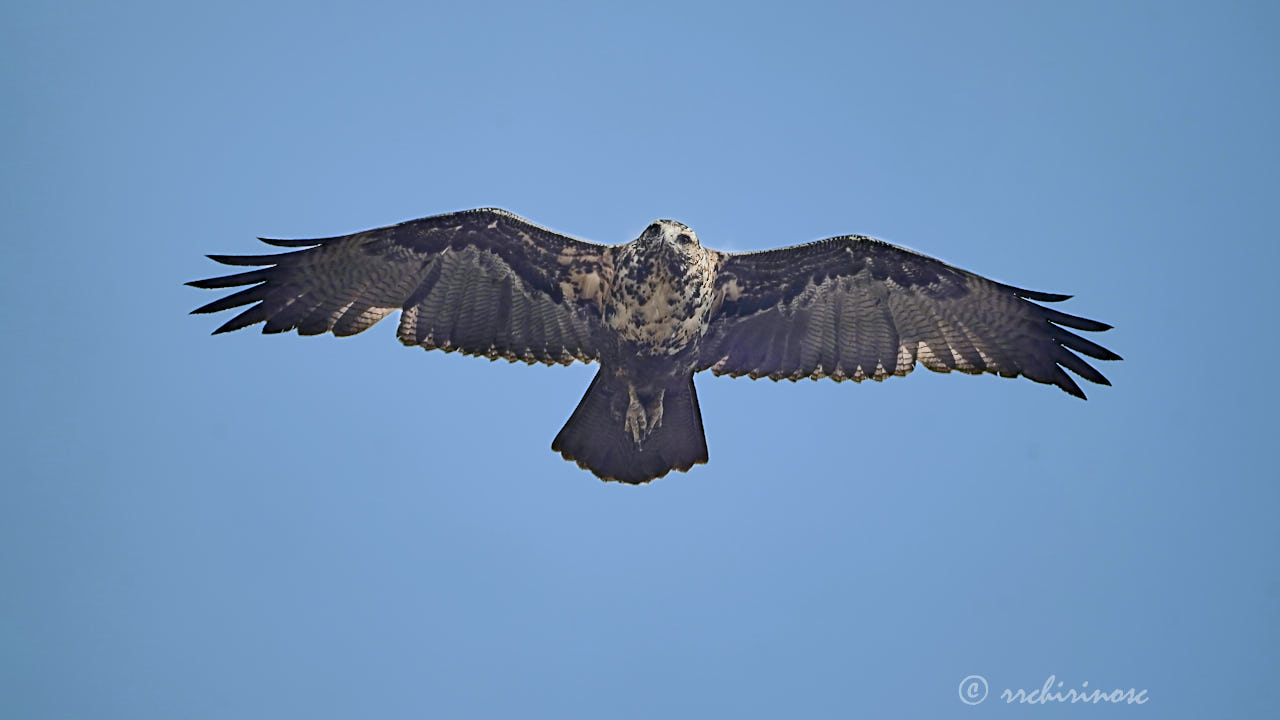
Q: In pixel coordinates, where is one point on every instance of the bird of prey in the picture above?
(653, 312)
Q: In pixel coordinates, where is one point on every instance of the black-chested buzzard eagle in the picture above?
(653, 312)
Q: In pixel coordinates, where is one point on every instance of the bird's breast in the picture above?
(658, 304)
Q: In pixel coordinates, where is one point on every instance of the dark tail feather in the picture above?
(596, 437)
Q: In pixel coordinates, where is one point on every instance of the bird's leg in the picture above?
(644, 413)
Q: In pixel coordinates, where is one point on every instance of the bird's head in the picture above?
(669, 236)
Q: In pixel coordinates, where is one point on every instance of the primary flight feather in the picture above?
(653, 312)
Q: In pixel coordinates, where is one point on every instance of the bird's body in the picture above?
(656, 309)
(653, 312)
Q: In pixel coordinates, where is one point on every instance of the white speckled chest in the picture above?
(663, 291)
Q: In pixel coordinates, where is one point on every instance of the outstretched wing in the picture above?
(854, 308)
(484, 282)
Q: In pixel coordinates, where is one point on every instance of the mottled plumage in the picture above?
(653, 312)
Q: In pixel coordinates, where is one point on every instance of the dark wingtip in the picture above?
(250, 316)
(1037, 295)
(236, 259)
(1058, 317)
(1105, 354)
(255, 260)
(277, 242)
(1072, 341)
(243, 297)
(1066, 382)
(225, 281)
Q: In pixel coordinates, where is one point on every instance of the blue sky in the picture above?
(264, 527)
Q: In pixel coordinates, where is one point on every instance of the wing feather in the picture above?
(860, 308)
(484, 282)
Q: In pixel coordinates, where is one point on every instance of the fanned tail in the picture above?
(599, 438)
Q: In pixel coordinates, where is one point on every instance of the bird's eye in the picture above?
(684, 239)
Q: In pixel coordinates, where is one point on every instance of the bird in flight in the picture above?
(654, 311)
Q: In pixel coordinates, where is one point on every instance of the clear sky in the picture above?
(265, 527)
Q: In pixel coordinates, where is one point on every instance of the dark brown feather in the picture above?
(484, 282)
(854, 307)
